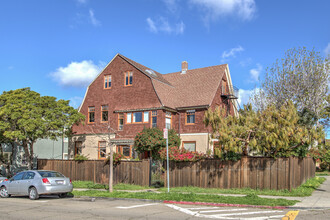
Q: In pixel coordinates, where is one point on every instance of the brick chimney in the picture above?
(184, 67)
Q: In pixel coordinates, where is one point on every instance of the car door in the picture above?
(13, 183)
(25, 183)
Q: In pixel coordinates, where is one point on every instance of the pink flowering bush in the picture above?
(181, 154)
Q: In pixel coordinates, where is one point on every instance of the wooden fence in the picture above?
(132, 172)
(251, 172)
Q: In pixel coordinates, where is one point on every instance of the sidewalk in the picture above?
(320, 199)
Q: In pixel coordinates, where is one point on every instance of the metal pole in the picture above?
(168, 169)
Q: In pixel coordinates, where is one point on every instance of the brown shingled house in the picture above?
(127, 96)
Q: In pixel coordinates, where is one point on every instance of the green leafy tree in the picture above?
(151, 139)
(302, 76)
(235, 134)
(273, 132)
(26, 116)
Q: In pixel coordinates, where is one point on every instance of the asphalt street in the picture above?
(51, 207)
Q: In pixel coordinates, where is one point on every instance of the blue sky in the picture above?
(58, 47)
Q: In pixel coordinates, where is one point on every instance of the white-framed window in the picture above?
(145, 116)
(189, 145)
(129, 118)
(168, 120)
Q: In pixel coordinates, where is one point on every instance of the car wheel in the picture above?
(62, 195)
(33, 193)
(4, 192)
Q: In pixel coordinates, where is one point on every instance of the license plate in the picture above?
(60, 182)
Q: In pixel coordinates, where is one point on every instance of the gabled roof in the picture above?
(146, 70)
(197, 87)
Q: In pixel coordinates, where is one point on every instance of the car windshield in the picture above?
(50, 174)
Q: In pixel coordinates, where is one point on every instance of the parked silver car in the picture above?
(36, 182)
(2, 178)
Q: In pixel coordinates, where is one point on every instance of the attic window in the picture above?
(151, 72)
(128, 78)
(107, 81)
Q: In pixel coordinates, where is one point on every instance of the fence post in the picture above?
(290, 184)
(94, 172)
(150, 164)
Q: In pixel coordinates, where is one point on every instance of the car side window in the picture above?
(18, 176)
(29, 176)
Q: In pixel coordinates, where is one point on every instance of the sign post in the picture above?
(165, 130)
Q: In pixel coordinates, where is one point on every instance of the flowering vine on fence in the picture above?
(181, 154)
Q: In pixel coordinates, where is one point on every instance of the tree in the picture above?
(273, 132)
(302, 76)
(26, 116)
(151, 139)
(235, 134)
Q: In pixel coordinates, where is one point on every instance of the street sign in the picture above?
(165, 131)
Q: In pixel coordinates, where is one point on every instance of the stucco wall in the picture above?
(202, 141)
(89, 145)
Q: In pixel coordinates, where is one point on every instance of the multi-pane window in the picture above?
(128, 78)
(107, 81)
(91, 114)
(126, 150)
(168, 120)
(102, 150)
(137, 117)
(189, 145)
(154, 119)
(120, 121)
(104, 113)
(190, 116)
(77, 147)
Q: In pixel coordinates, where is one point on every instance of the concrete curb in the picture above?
(227, 205)
(92, 199)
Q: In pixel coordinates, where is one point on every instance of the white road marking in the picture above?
(226, 216)
(203, 208)
(246, 213)
(135, 206)
(42, 201)
(223, 210)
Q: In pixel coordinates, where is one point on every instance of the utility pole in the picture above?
(167, 160)
(111, 159)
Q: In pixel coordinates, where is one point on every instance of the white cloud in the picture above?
(92, 19)
(77, 74)
(180, 27)
(255, 73)
(244, 96)
(163, 25)
(152, 26)
(171, 5)
(231, 53)
(76, 101)
(327, 50)
(243, 9)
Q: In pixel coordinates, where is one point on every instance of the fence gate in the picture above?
(156, 173)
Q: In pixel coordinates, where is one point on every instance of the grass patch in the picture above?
(88, 185)
(323, 173)
(120, 186)
(190, 197)
(123, 186)
(305, 189)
